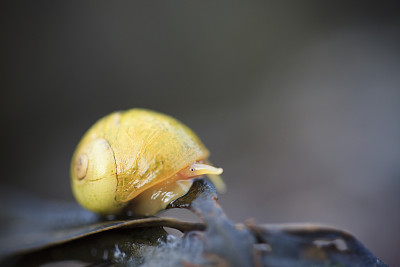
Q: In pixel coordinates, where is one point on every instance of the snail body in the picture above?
(137, 156)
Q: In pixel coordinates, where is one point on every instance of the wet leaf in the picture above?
(311, 245)
(28, 224)
(41, 232)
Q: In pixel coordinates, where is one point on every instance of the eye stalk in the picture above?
(197, 169)
(201, 169)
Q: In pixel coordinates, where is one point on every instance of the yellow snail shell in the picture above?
(139, 158)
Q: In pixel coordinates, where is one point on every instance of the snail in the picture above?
(139, 160)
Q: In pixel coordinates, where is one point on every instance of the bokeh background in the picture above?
(298, 101)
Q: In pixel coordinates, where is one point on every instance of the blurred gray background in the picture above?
(298, 101)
